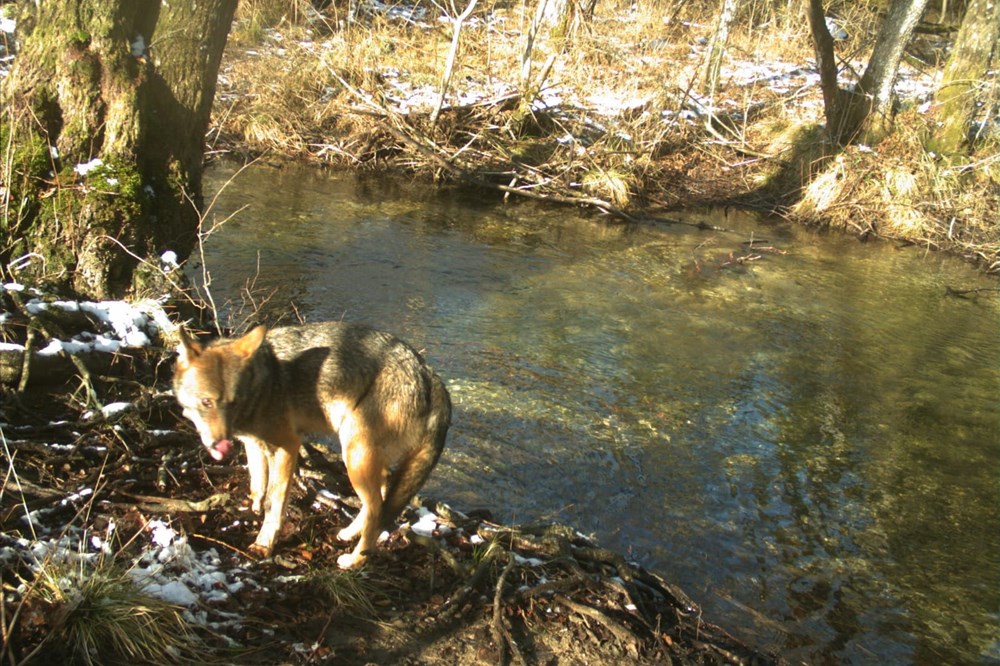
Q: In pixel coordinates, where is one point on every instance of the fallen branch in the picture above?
(501, 632)
(962, 293)
(154, 504)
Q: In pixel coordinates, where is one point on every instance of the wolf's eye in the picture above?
(207, 403)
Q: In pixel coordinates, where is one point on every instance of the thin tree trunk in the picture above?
(877, 82)
(124, 87)
(717, 49)
(833, 97)
(449, 68)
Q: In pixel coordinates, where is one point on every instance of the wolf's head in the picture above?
(205, 382)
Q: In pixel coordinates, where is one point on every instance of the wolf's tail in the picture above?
(412, 471)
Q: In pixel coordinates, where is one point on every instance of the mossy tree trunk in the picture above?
(966, 85)
(864, 114)
(126, 87)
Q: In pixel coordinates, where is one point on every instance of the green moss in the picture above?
(178, 179)
(58, 210)
(114, 190)
(31, 154)
(30, 164)
(85, 69)
(80, 39)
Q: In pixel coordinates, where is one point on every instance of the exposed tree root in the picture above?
(566, 580)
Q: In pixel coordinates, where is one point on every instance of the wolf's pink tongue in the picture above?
(220, 449)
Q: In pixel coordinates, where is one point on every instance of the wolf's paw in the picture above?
(350, 560)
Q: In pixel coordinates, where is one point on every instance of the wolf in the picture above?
(375, 392)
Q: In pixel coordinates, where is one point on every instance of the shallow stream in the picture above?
(800, 430)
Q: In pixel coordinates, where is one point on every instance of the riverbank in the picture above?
(120, 539)
(607, 115)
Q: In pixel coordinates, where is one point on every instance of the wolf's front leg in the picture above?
(281, 466)
(257, 463)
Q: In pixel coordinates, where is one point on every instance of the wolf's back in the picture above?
(379, 376)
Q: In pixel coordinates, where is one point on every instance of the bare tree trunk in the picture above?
(717, 49)
(124, 87)
(833, 97)
(964, 85)
(883, 66)
(866, 113)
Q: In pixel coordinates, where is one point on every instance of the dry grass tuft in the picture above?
(347, 590)
(66, 605)
(615, 186)
(101, 616)
(88, 609)
(900, 191)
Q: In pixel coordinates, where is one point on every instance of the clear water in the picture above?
(808, 443)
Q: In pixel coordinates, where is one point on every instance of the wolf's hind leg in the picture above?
(366, 470)
(351, 532)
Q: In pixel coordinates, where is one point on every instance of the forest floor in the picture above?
(121, 540)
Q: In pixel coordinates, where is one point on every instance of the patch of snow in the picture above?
(169, 259)
(170, 569)
(412, 14)
(162, 534)
(87, 167)
(426, 523)
(174, 592)
(126, 325)
(56, 347)
(115, 408)
(529, 561)
(612, 103)
(837, 31)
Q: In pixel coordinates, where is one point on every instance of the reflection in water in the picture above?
(807, 442)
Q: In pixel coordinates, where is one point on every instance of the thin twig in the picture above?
(449, 67)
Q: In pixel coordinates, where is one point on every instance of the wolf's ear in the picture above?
(189, 349)
(251, 342)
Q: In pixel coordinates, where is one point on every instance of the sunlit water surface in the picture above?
(807, 442)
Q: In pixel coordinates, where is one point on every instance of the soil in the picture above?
(472, 592)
